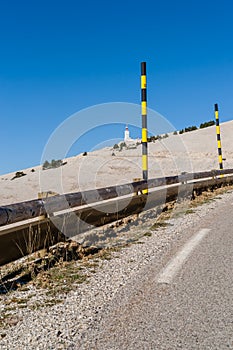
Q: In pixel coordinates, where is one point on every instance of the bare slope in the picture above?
(193, 151)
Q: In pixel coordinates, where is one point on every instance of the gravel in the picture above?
(69, 324)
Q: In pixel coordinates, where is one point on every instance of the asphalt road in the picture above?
(192, 309)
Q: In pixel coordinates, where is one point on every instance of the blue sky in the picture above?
(59, 57)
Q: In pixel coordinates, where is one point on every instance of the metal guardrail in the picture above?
(27, 227)
(31, 209)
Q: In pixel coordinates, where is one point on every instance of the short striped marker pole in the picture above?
(218, 137)
(144, 124)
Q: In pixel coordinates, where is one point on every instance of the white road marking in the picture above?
(167, 274)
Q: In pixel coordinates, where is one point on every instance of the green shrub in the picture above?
(46, 165)
(54, 164)
(190, 128)
(207, 124)
(18, 174)
(122, 145)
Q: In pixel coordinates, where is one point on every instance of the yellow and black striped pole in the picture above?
(144, 124)
(218, 137)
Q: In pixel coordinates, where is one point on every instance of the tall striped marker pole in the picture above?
(144, 124)
(218, 137)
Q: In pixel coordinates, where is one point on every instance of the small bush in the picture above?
(46, 165)
(18, 174)
(122, 145)
(115, 146)
(190, 128)
(175, 133)
(150, 138)
(54, 164)
(207, 124)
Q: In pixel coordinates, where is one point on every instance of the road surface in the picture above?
(184, 300)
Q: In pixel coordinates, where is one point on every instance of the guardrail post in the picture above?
(144, 124)
(218, 138)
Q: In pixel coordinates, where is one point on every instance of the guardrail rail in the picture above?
(29, 226)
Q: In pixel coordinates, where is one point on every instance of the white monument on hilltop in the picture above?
(130, 143)
(127, 137)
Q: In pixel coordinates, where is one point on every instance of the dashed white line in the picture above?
(172, 268)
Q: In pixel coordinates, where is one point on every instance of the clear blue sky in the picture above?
(58, 57)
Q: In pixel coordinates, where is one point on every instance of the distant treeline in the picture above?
(191, 128)
(187, 129)
(155, 138)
